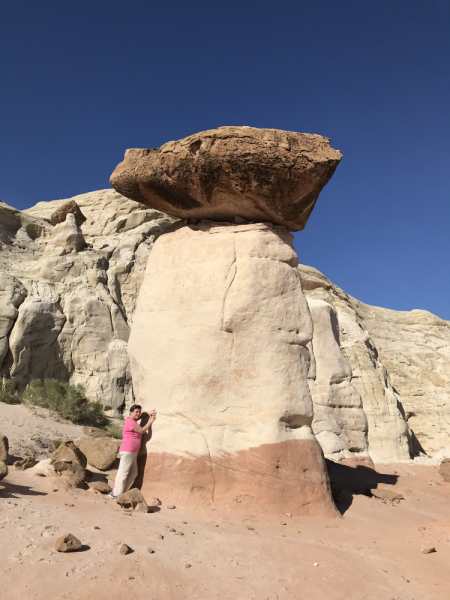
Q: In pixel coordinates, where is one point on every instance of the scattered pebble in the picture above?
(96, 527)
(315, 564)
(171, 506)
(179, 533)
(187, 566)
(184, 522)
(283, 522)
(250, 528)
(288, 515)
(158, 536)
(171, 530)
(125, 549)
(427, 549)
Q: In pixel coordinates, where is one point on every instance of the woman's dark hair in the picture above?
(134, 407)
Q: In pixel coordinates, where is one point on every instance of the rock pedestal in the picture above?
(218, 348)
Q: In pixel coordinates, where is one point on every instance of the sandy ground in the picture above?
(372, 551)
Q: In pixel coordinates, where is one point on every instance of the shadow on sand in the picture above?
(353, 481)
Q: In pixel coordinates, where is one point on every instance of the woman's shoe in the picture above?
(111, 495)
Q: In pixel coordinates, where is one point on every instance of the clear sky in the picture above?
(82, 80)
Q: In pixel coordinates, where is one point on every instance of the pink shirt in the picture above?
(131, 441)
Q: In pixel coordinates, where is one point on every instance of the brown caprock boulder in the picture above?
(256, 174)
(60, 214)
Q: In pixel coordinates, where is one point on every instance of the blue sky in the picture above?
(82, 80)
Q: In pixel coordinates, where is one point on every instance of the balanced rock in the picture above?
(70, 207)
(67, 543)
(4, 448)
(100, 452)
(219, 347)
(258, 174)
(66, 238)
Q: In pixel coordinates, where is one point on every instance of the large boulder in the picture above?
(219, 348)
(100, 452)
(4, 448)
(258, 174)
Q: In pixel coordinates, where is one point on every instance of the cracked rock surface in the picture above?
(258, 174)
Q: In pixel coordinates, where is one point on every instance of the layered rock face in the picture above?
(257, 174)
(339, 423)
(400, 367)
(67, 295)
(219, 347)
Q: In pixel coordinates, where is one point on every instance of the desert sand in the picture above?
(371, 551)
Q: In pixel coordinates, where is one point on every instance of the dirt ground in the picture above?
(372, 551)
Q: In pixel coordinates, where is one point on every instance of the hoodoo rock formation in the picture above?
(257, 174)
(219, 340)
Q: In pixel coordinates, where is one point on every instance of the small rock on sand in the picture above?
(427, 549)
(25, 463)
(178, 533)
(100, 486)
(125, 549)
(187, 566)
(150, 551)
(171, 506)
(67, 543)
(158, 536)
(250, 528)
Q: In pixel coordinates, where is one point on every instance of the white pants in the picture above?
(127, 472)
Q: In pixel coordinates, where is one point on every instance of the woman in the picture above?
(129, 450)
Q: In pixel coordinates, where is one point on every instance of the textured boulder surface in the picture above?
(70, 463)
(133, 499)
(67, 543)
(100, 452)
(258, 174)
(218, 347)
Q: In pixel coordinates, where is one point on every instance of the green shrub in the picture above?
(56, 444)
(67, 400)
(8, 392)
(114, 431)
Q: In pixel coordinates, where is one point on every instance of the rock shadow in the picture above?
(352, 481)
(13, 490)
